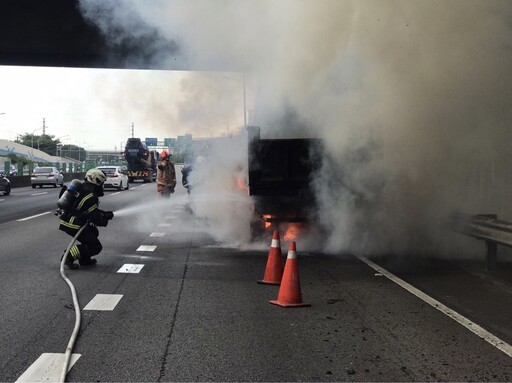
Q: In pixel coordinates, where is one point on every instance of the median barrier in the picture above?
(24, 181)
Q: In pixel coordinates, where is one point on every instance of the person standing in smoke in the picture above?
(166, 175)
(185, 172)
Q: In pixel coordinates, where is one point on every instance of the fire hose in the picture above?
(71, 343)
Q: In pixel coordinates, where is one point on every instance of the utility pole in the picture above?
(132, 129)
(44, 126)
(245, 107)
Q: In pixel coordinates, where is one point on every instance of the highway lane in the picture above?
(194, 312)
(25, 202)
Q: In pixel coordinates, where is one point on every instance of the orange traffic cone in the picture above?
(289, 292)
(274, 269)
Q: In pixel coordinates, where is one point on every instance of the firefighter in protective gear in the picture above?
(85, 211)
(166, 175)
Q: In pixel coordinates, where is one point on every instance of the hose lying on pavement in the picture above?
(71, 343)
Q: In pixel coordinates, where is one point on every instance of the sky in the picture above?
(413, 100)
(95, 108)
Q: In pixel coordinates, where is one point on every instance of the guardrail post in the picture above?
(491, 256)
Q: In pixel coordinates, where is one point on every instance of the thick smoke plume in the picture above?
(413, 99)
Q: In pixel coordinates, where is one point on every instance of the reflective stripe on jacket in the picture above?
(87, 205)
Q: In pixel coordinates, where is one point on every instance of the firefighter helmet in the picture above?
(95, 176)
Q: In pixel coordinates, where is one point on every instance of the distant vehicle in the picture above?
(13, 172)
(141, 161)
(116, 177)
(5, 184)
(46, 175)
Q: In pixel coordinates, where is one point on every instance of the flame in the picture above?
(292, 232)
(265, 217)
(242, 185)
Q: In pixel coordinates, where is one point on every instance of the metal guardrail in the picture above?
(486, 227)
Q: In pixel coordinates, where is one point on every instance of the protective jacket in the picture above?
(166, 177)
(85, 212)
(185, 172)
(85, 209)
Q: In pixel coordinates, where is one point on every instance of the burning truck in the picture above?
(280, 174)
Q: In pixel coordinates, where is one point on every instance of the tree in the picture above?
(48, 144)
(15, 159)
(73, 151)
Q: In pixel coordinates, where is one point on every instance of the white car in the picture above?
(117, 177)
(46, 175)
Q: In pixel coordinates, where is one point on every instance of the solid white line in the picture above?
(130, 268)
(146, 248)
(40, 193)
(471, 326)
(47, 368)
(34, 216)
(104, 302)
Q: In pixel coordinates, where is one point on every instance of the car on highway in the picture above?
(117, 177)
(46, 175)
(13, 172)
(5, 184)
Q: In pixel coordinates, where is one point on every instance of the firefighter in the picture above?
(185, 172)
(84, 211)
(166, 175)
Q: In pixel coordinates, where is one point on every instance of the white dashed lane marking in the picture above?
(157, 234)
(34, 216)
(130, 268)
(104, 302)
(146, 248)
(40, 193)
(165, 224)
(47, 368)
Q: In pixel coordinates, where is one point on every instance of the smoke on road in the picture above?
(412, 99)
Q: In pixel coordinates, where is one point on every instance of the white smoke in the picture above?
(412, 98)
(219, 189)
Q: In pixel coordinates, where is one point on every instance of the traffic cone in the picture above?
(274, 269)
(289, 292)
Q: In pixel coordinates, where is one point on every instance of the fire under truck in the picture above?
(280, 175)
(141, 161)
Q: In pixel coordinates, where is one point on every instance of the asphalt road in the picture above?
(194, 312)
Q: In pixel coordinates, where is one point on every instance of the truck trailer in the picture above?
(141, 161)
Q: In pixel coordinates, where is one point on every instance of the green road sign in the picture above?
(151, 141)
